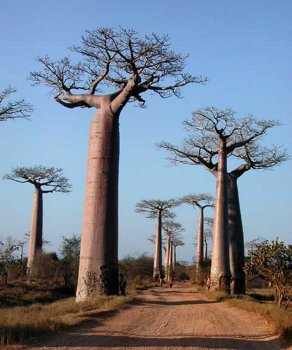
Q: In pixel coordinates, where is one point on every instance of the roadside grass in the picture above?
(280, 317)
(20, 323)
(23, 293)
(261, 303)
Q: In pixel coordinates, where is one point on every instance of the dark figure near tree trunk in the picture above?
(123, 283)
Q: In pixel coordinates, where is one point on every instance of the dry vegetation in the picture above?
(19, 323)
(43, 304)
(262, 302)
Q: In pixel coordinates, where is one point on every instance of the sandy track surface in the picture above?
(168, 318)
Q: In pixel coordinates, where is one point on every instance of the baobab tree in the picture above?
(13, 109)
(131, 66)
(157, 209)
(254, 157)
(208, 233)
(214, 136)
(45, 180)
(177, 242)
(201, 201)
(172, 230)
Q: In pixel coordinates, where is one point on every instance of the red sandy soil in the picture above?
(167, 318)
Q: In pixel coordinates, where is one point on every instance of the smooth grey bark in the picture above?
(98, 266)
(200, 237)
(165, 257)
(205, 253)
(98, 269)
(220, 268)
(157, 265)
(36, 230)
(236, 239)
(168, 242)
(174, 257)
(170, 264)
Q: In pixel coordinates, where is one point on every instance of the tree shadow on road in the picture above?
(169, 302)
(117, 341)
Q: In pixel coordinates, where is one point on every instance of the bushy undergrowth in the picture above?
(139, 270)
(19, 323)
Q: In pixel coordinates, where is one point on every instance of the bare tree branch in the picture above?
(112, 58)
(241, 135)
(13, 109)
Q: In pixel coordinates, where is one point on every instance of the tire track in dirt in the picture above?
(168, 318)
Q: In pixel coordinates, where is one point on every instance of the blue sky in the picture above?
(243, 47)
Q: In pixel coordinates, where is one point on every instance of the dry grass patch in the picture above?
(260, 303)
(27, 293)
(19, 323)
(280, 317)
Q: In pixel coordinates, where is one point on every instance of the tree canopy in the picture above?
(172, 228)
(41, 176)
(110, 59)
(202, 200)
(208, 126)
(151, 207)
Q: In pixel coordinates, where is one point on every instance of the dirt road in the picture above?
(169, 318)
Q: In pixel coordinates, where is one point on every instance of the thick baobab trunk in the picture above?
(98, 268)
(200, 241)
(174, 257)
(170, 263)
(36, 230)
(205, 254)
(236, 240)
(200, 237)
(157, 264)
(164, 248)
(220, 269)
(171, 260)
(167, 257)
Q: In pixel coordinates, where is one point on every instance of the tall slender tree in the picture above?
(172, 230)
(157, 209)
(176, 242)
(214, 136)
(13, 109)
(208, 233)
(131, 66)
(201, 201)
(44, 180)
